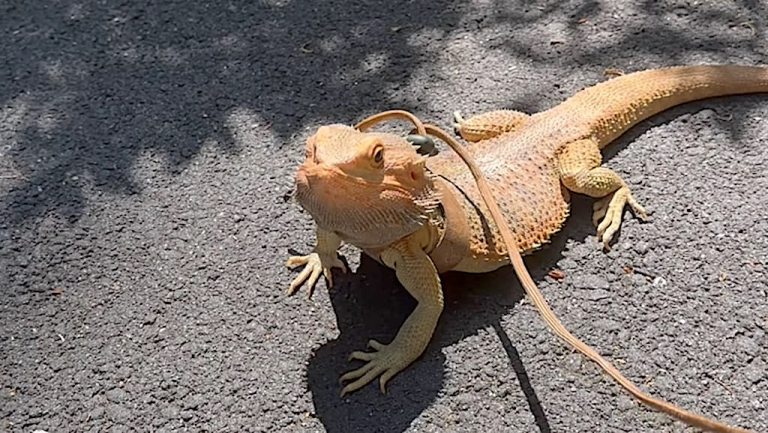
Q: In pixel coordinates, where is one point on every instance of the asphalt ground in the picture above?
(147, 151)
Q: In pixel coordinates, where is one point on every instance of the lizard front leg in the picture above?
(417, 273)
(319, 261)
(580, 171)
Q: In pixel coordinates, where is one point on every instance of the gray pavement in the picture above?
(146, 158)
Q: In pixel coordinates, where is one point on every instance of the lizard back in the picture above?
(524, 178)
(522, 167)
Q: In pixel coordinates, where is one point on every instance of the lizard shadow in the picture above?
(371, 303)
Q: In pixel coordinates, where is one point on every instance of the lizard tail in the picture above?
(612, 107)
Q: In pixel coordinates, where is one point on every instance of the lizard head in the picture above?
(369, 188)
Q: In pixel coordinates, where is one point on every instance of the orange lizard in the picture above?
(481, 208)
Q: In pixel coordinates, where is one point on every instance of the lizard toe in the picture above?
(375, 345)
(600, 208)
(357, 373)
(638, 210)
(385, 361)
(309, 274)
(367, 377)
(361, 356)
(315, 265)
(611, 210)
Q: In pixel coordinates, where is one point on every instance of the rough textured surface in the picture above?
(146, 161)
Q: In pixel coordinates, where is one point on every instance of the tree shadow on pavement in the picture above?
(644, 31)
(90, 87)
(95, 91)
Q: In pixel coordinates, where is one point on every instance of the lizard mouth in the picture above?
(317, 183)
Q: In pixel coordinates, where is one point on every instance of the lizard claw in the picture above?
(386, 361)
(314, 265)
(610, 210)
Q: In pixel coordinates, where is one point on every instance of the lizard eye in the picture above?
(378, 154)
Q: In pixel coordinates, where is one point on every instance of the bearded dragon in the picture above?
(423, 216)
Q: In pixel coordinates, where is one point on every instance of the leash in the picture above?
(533, 292)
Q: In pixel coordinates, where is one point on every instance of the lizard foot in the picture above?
(458, 119)
(386, 361)
(609, 209)
(315, 264)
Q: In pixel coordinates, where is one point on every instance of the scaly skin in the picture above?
(423, 217)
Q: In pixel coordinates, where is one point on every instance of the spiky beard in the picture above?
(365, 214)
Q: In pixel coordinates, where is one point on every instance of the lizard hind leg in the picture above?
(580, 171)
(488, 125)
